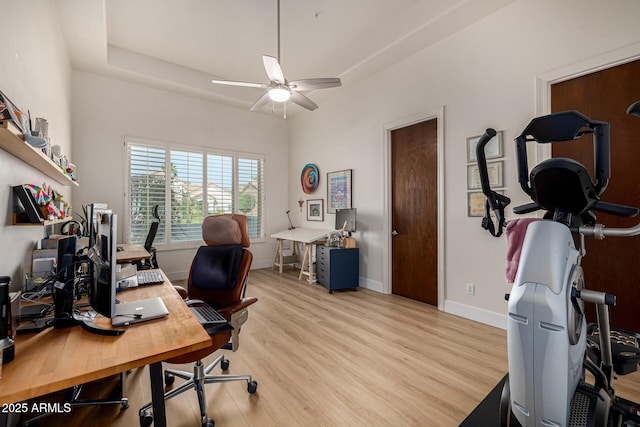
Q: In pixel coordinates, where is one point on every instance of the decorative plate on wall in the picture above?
(310, 178)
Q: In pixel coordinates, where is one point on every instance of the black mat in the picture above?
(486, 413)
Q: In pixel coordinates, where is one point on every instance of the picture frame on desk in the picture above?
(315, 210)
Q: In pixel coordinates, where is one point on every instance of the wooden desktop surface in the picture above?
(55, 359)
(131, 252)
(303, 235)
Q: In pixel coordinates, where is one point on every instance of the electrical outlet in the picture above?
(471, 289)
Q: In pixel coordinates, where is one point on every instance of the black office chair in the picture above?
(148, 243)
(218, 276)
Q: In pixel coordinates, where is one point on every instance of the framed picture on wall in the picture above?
(494, 170)
(491, 151)
(475, 204)
(315, 210)
(338, 190)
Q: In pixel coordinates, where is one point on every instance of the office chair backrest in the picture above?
(153, 230)
(219, 270)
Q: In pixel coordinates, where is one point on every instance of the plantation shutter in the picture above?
(187, 196)
(251, 193)
(188, 183)
(219, 184)
(147, 187)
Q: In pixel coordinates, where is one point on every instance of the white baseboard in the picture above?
(477, 314)
(374, 285)
(255, 265)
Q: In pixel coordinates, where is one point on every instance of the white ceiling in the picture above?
(181, 45)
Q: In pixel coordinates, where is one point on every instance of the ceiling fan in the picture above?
(279, 89)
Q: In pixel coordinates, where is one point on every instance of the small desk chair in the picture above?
(148, 243)
(218, 276)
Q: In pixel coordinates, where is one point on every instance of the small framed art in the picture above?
(315, 210)
(475, 204)
(491, 151)
(494, 170)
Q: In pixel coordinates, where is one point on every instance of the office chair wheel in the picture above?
(209, 423)
(146, 419)
(252, 387)
(224, 364)
(169, 379)
(124, 404)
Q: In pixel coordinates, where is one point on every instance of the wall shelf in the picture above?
(40, 224)
(11, 141)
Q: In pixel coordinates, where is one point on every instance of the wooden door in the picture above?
(414, 186)
(611, 264)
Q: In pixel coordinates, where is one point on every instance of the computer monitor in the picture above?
(94, 217)
(346, 218)
(64, 287)
(102, 290)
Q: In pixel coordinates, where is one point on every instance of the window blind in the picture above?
(186, 195)
(189, 184)
(251, 193)
(147, 187)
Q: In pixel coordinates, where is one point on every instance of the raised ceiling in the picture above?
(181, 45)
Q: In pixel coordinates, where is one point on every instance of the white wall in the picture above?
(484, 76)
(106, 110)
(36, 75)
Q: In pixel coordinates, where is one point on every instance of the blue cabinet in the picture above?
(337, 268)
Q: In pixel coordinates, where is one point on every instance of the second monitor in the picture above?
(346, 219)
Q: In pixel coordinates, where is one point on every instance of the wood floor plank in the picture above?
(351, 358)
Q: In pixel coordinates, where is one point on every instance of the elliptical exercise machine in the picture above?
(550, 346)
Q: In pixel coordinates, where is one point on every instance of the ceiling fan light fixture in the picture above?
(279, 94)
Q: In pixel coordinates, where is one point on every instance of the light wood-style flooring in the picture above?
(351, 358)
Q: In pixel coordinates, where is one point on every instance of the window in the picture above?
(234, 183)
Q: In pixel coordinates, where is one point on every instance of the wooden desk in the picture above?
(56, 359)
(306, 236)
(131, 252)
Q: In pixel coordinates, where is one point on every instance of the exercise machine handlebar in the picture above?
(599, 231)
(495, 201)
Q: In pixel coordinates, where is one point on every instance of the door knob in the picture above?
(394, 233)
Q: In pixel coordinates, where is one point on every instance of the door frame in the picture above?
(387, 258)
(577, 69)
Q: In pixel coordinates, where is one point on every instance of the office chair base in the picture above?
(196, 381)
(74, 402)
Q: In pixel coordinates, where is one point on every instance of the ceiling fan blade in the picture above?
(273, 69)
(303, 101)
(261, 102)
(311, 84)
(233, 83)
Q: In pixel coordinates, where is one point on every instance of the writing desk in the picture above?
(131, 252)
(306, 236)
(56, 359)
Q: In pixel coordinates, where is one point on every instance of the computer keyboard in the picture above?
(207, 314)
(149, 277)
